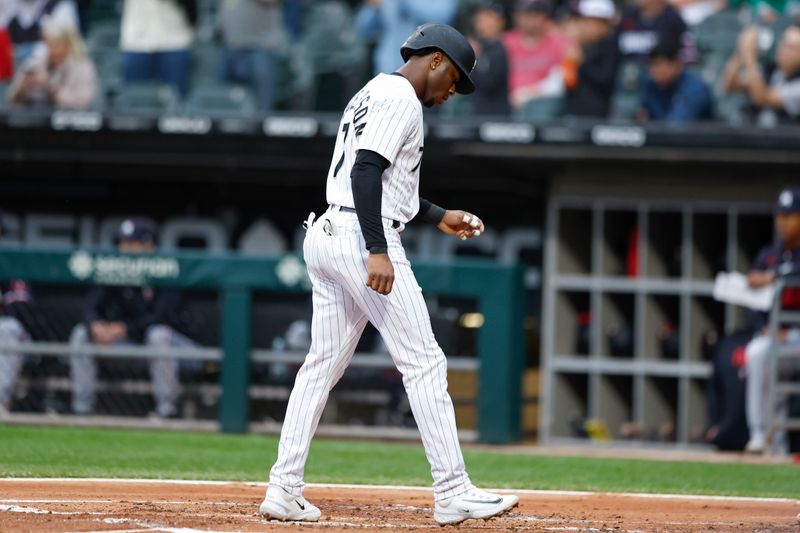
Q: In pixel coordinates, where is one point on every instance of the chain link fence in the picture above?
(52, 366)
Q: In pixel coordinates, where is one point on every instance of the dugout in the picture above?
(571, 192)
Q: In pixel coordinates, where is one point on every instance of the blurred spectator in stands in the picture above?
(537, 51)
(693, 12)
(780, 258)
(64, 77)
(6, 56)
(130, 315)
(779, 99)
(597, 73)
(252, 37)
(491, 70)
(671, 92)
(155, 40)
(390, 22)
(648, 22)
(23, 20)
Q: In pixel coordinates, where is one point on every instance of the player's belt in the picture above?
(395, 223)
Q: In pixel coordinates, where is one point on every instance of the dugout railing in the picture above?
(782, 385)
(497, 289)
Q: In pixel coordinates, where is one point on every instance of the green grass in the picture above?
(71, 452)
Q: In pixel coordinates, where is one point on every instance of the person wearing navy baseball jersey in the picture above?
(780, 258)
(130, 315)
(360, 273)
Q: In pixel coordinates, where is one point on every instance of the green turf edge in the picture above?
(27, 451)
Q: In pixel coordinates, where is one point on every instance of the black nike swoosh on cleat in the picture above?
(464, 511)
(498, 500)
(301, 506)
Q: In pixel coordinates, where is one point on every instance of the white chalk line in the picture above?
(144, 526)
(346, 486)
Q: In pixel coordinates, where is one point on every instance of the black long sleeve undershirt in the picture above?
(367, 184)
(429, 212)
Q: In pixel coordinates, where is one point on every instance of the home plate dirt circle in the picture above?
(144, 507)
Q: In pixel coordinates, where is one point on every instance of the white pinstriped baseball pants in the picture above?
(337, 265)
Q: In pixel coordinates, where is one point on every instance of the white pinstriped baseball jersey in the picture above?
(384, 117)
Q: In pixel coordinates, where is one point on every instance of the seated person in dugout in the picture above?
(778, 259)
(117, 315)
(13, 295)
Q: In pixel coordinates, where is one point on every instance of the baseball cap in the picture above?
(491, 5)
(788, 201)
(535, 6)
(140, 229)
(599, 9)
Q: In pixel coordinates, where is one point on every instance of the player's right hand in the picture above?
(380, 273)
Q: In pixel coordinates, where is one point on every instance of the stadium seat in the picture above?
(3, 89)
(109, 70)
(103, 37)
(626, 98)
(144, 98)
(458, 107)
(294, 79)
(329, 39)
(630, 75)
(624, 105)
(732, 108)
(205, 59)
(228, 99)
(541, 109)
(719, 32)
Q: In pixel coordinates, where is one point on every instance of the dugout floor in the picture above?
(146, 507)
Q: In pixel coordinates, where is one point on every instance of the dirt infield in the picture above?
(143, 507)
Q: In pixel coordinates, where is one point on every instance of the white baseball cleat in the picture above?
(280, 505)
(472, 504)
(756, 444)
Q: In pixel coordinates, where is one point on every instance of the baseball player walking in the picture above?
(360, 273)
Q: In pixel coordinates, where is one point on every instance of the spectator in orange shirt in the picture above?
(536, 53)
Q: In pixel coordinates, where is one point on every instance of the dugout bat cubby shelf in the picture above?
(628, 318)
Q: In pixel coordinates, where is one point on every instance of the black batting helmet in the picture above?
(450, 42)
